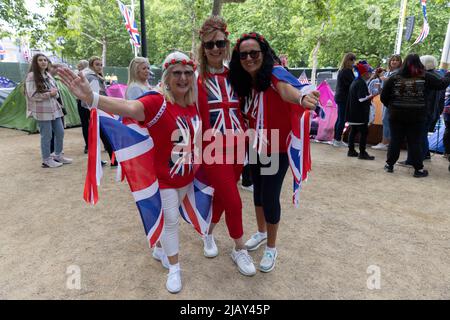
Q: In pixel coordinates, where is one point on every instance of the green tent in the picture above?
(13, 111)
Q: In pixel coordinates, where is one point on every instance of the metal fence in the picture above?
(18, 71)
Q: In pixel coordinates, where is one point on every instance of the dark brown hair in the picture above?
(37, 74)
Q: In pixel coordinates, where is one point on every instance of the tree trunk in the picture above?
(217, 7)
(194, 36)
(104, 45)
(314, 56)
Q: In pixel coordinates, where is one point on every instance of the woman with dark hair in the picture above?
(222, 120)
(404, 96)
(271, 97)
(344, 80)
(42, 104)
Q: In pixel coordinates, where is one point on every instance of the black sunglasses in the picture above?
(253, 54)
(219, 44)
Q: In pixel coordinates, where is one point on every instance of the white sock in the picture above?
(262, 234)
(174, 267)
(271, 250)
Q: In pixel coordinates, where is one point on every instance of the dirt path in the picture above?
(354, 218)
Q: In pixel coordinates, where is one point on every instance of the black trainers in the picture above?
(420, 173)
(85, 150)
(352, 153)
(366, 156)
(389, 168)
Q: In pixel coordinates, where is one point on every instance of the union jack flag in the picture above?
(130, 24)
(298, 141)
(134, 149)
(196, 208)
(222, 118)
(426, 27)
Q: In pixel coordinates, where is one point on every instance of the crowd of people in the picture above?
(413, 97)
(232, 90)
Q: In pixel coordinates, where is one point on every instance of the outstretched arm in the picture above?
(80, 88)
(290, 94)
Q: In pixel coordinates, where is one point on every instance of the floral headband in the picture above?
(223, 29)
(246, 36)
(183, 62)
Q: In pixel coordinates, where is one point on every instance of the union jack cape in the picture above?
(298, 142)
(134, 150)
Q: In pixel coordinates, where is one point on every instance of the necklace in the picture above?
(214, 70)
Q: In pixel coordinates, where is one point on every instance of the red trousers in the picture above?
(224, 178)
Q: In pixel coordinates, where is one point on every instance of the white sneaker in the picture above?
(209, 246)
(50, 163)
(244, 262)
(268, 261)
(380, 146)
(160, 255)
(249, 188)
(63, 160)
(173, 283)
(338, 144)
(255, 241)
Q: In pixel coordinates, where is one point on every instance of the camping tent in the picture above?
(14, 109)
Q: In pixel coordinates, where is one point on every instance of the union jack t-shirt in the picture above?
(175, 135)
(219, 107)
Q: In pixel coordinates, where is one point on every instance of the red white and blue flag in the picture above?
(196, 208)
(303, 79)
(135, 154)
(298, 141)
(426, 27)
(134, 150)
(130, 24)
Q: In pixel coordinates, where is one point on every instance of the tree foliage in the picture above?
(366, 27)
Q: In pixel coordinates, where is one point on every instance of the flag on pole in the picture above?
(426, 26)
(303, 79)
(130, 24)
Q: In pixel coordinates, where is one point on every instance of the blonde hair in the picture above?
(167, 67)
(133, 68)
(346, 62)
(211, 25)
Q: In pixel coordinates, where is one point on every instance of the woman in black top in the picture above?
(344, 80)
(403, 95)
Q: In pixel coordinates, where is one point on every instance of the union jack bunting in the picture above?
(426, 27)
(303, 79)
(130, 24)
